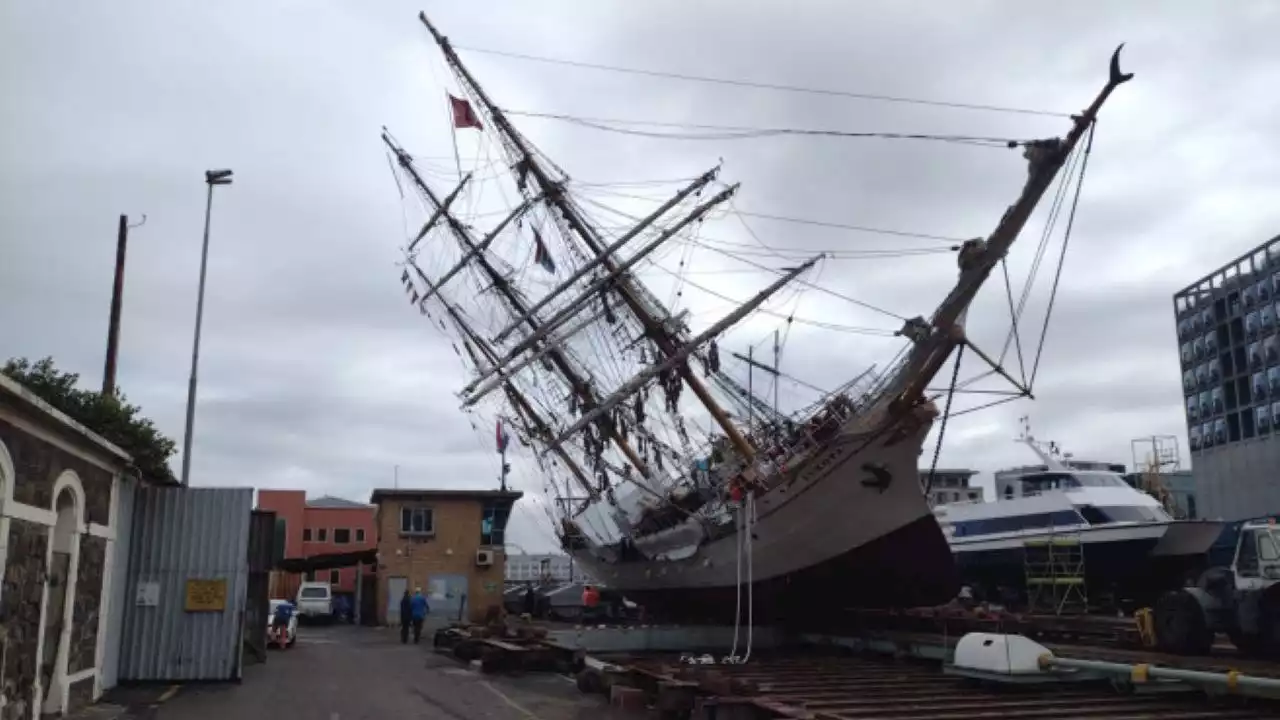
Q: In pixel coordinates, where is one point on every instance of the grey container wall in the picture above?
(178, 535)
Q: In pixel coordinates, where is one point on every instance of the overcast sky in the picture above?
(316, 373)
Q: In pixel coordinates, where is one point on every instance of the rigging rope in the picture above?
(741, 132)
(946, 413)
(760, 85)
(1066, 240)
(745, 526)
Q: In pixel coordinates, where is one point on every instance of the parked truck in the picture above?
(1239, 598)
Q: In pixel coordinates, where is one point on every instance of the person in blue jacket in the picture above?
(419, 608)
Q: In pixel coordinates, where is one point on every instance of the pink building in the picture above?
(322, 526)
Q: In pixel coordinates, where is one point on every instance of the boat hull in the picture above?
(850, 528)
(1126, 566)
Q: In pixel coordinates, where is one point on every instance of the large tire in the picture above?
(1180, 624)
(1268, 640)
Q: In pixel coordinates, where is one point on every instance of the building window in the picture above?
(493, 524)
(322, 534)
(1193, 408)
(1211, 344)
(1262, 418)
(1275, 284)
(341, 536)
(1187, 357)
(1184, 329)
(417, 521)
(1219, 431)
(1206, 318)
(306, 534)
(1255, 355)
(359, 535)
(1195, 437)
(1251, 324)
(1267, 316)
(1259, 386)
(1215, 371)
(1216, 396)
(1249, 296)
(1263, 289)
(335, 577)
(1273, 381)
(1197, 348)
(1189, 381)
(1275, 414)
(1202, 375)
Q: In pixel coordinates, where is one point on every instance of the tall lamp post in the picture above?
(211, 178)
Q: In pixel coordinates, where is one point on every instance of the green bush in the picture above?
(112, 417)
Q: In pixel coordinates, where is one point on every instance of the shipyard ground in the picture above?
(345, 673)
(608, 673)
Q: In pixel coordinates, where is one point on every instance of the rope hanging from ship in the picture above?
(573, 318)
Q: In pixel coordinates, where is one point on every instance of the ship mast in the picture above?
(935, 341)
(472, 340)
(557, 356)
(681, 355)
(554, 193)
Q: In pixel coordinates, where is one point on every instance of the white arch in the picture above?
(69, 480)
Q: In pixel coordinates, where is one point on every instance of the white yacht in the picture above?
(1133, 549)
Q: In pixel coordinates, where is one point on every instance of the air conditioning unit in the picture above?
(484, 558)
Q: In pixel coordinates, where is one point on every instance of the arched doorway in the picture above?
(63, 559)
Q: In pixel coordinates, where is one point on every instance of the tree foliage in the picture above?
(111, 417)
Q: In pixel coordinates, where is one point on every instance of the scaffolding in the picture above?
(1054, 568)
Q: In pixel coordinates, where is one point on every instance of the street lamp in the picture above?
(211, 178)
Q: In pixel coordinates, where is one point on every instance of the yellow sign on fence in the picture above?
(206, 595)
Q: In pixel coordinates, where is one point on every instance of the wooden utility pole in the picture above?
(113, 323)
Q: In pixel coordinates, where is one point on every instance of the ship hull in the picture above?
(1124, 566)
(849, 528)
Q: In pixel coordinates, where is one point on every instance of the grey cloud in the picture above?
(316, 372)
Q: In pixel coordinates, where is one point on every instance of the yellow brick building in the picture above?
(447, 542)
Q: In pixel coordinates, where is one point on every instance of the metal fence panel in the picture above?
(176, 629)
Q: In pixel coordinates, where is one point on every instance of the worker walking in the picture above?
(419, 608)
(406, 616)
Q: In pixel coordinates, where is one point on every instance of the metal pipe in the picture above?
(1232, 681)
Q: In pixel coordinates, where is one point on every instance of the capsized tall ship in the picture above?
(818, 508)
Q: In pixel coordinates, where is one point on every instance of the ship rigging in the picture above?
(593, 368)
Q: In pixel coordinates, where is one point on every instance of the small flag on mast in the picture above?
(502, 436)
(463, 114)
(541, 255)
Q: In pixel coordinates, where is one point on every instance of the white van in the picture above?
(315, 601)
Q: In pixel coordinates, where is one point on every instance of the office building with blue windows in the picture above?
(1230, 355)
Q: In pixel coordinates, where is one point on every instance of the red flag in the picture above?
(463, 115)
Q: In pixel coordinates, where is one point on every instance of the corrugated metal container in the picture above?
(180, 535)
(126, 492)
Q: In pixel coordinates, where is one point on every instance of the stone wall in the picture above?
(80, 695)
(38, 464)
(20, 616)
(88, 603)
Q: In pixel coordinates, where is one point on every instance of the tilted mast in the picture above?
(472, 340)
(681, 355)
(935, 341)
(557, 356)
(554, 193)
